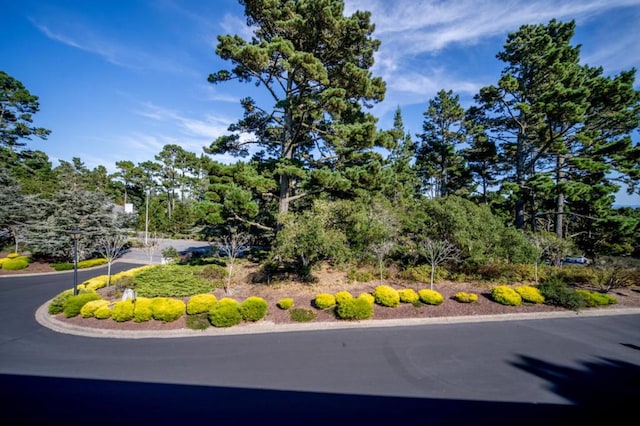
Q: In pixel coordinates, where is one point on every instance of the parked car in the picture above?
(575, 260)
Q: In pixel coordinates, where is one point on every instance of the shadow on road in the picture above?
(31, 399)
(602, 383)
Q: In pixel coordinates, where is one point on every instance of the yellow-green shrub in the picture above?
(73, 304)
(530, 294)
(592, 299)
(505, 296)
(123, 310)
(368, 297)
(354, 309)
(422, 273)
(342, 296)
(253, 308)
(89, 308)
(430, 297)
(57, 304)
(201, 303)
(103, 312)
(408, 295)
(12, 255)
(142, 310)
(386, 296)
(228, 301)
(360, 276)
(324, 301)
(463, 297)
(286, 303)
(16, 263)
(94, 283)
(167, 309)
(90, 263)
(225, 315)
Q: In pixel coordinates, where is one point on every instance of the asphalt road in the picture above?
(550, 371)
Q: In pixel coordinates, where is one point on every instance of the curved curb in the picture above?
(264, 327)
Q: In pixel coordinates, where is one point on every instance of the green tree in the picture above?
(314, 63)
(17, 107)
(440, 165)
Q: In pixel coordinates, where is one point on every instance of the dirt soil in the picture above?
(332, 281)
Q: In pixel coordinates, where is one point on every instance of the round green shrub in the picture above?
(386, 296)
(16, 264)
(557, 293)
(505, 296)
(343, 296)
(324, 301)
(12, 255)
(302, 315)
(122, 310)
(226, 315)
(201, 303)
(530, 294)
(408, 295)
(253, 308)
(286, 303)
(57, 304)
(463, 297)
(593, 299)
(142, 310)
(368, 297)
(167, 309)
(73, 304)
(89, 308)
(228, 301)
(103, 312)
(354, 309)
(430, 297)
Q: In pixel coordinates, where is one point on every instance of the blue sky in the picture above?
(119, 79)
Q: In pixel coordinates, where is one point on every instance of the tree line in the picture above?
(531, 167)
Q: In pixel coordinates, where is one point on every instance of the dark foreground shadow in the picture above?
(600, 385)
(33, 400)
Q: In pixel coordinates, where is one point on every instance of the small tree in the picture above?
(437, 252)
(111, 247)
(382, 250)
(233, 245)
(150, 246)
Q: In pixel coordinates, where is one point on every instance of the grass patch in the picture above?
(198, 321)
(172, 281)
(302, 315)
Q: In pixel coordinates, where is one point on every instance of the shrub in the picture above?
(463, 297)
(171, 281)
(123, 311)
(212, 272)
(16, 263)
(324, 301)
(612, 277)
(302, 315)
(201, 303)
(57, 304)
(90, 263)
(593, 299)
(12, 255)
(408, 295)
(343, 296)
(354, 309)
(66, 266)
(422, 274)
(225, 315)
(89, 308)
(198, 321)
(386, 296)
(228, 301)
(73, 304)
(360, 276)
(142, 310)
(368, 297)
(286, 303)
(94, 283)
(103, 312)
(505, 296)
(167, 309)
(530, 294)
(556, 292)
(576, 275)
(430, 297)
(253, 308)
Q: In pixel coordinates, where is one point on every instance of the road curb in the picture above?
(266, 327)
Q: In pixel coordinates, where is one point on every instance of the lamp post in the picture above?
(75, 235)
